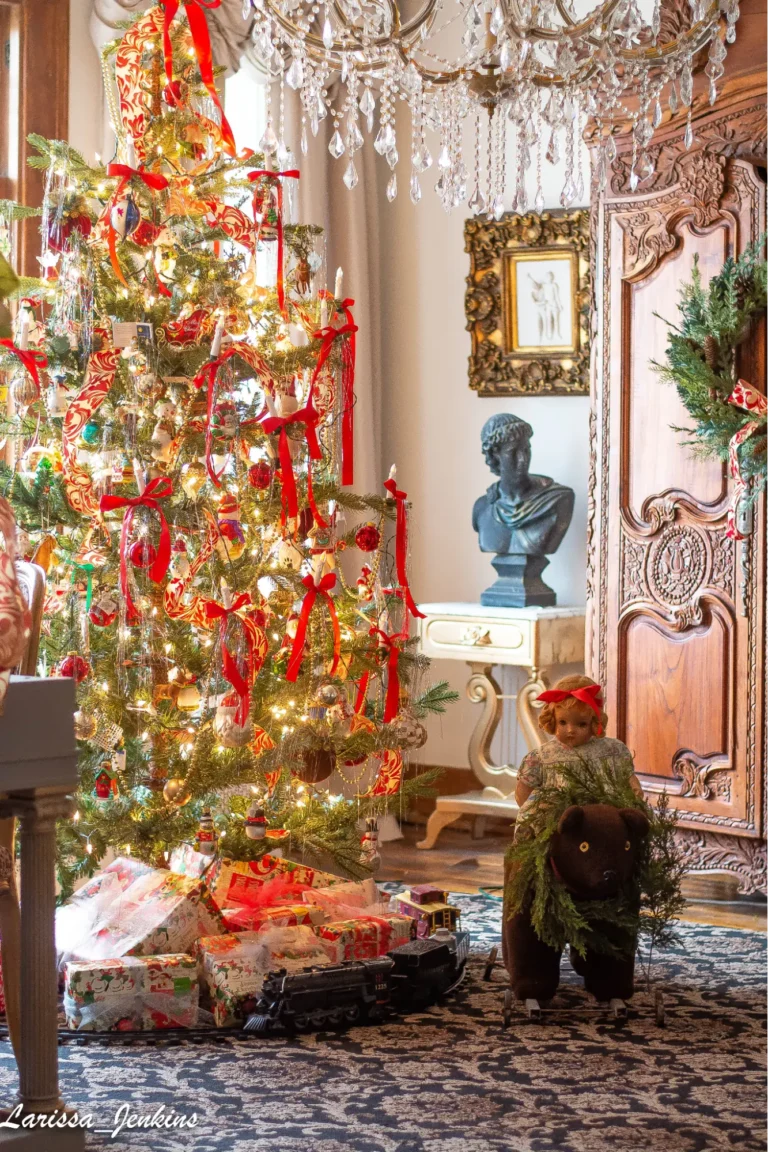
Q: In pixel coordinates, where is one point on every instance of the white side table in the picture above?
(538, 639)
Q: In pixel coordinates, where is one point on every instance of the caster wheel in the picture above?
(490, 963)
(509, 1004)
(659, 1012)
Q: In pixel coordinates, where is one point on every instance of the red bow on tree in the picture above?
(401, 544)
(31, 360)
(229, 664)
(198, 27)
(278, 425)
(348, 351)
(155, 490)
(322, 589)
(277, 178)
(153, 180)
(592, 696)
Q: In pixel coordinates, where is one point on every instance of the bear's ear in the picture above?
(572, 819)
(636, 821)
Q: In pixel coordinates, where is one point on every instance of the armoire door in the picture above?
(677, 608)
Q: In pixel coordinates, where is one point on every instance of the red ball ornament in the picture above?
(260, 475)
(75, 667)
(145, 234)
(103, 612)
(367, 538)
(142, 554)
(60, 231)
(172, 93)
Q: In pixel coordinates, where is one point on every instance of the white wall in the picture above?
(87, 113)
(432, 428)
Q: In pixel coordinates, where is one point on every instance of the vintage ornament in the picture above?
(303, 276)
(156, 777)
(85, 725)
(260, 475)
(288, 556)
(90, 433)
(369, 845)
(60, 231)
(176, 791)
(368, 538)
(224, 422)
(23, 390)
(164, 432)
(265, 208)
(255, 822)
(124, 216)
(180, 566)
(365, 584)
(193, 477)
(230, 733)
(329, 694)
(188, 698)
(74, 666)
(142, 554)
(207, 837)
(105, 785)
(231, 542)
(57, 397)
(316, 764)
(409, 733)
(104, 610)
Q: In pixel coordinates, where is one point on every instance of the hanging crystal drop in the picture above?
(553, 149)
(444, 158)
(294, 77)
(712, 91)
(730, 34)
(246, 9)
(672, 99)
(497, 20)
(415, 188)
(688, 138)
(578, 192)
(476, 202)
(354, 136)
(634, 180)
(645, 166)
(422, 158)
(505, 56)
(686, 84)
(538, 204)
(610, 149)
(350, 175)
(327, 34)
(656, 20)
(392, 157)
(367, 102)
(568, 195)
(498, 208)
(344, 68)
(304, 142)
(336, 145)
(385, 138)
(525, 47)
(268, 142)
(314, 123)
(521, 198)
(392, 187)
(657, 114)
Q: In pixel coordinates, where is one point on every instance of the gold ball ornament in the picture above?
(188, 699)
(193, 477)
(23, 390)
(176, 791)
(85, 726)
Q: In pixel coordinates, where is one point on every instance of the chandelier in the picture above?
(501, 86)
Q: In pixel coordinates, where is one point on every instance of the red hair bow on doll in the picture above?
(591, 696)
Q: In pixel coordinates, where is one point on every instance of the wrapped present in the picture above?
(131, 994)
(340, 900)
(126, 869)
(234, 882)
(364, 937)
(429, 917)
(188, 862)
(233, 966)
(428, 894)
(245, 919)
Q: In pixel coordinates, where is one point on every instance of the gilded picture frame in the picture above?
(528, 304)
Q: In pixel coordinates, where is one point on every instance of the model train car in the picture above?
(358, 991)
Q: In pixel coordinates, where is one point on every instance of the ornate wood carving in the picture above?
(712, 852)
(494, 368)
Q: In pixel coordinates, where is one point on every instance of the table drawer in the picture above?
(498, 642)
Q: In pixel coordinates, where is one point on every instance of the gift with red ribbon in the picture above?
(278, 426)
(201, 40)
(592, 696)
(277, 178)
(156, 490)
(747, 398)
(323, 589)
(328, 336)
(153, 180)
(401, 543)
(31, 360)
(231, 667)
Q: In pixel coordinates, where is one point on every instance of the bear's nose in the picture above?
(609, 875)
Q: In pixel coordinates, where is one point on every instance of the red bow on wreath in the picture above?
(277, 178)
(323, 590)
(229, 664)
(155, 490)
(278, 425)
(328, 336)
(198, 27)
(592, 696)
(401, 543)
(154, 180)
(747, 398)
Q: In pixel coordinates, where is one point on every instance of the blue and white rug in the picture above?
(449, 1079)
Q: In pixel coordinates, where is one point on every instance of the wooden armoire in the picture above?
(676, 611)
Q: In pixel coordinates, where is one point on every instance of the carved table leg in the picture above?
(483, 689)
(437, 821)
(526, 713)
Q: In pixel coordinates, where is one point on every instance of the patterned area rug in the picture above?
(449, 1079)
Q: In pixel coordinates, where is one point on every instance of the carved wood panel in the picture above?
(676, 609)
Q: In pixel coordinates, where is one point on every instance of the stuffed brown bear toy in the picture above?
(593, 853)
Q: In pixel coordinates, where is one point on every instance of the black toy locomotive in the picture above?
(406, 979)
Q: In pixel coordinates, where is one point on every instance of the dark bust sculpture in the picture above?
(522, 518)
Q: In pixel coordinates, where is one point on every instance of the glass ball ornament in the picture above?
(75, 667)
(90, 433)
(176, 791)
(230, 733)
(329, 694)
(255, 822)
(85, 725)
(124, 216)
(142, 554)
(193, 477)
(103, 611)
(316, 764)
(260, 475)
(188, 699)
(23, 390)
(368, 538)
(409, 732)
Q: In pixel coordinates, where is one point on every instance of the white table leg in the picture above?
(437, 821)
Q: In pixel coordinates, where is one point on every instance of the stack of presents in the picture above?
(142, 948)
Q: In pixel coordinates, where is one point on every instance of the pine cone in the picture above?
(742, 285)
(711, 351)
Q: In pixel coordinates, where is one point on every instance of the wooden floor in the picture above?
(461, 864)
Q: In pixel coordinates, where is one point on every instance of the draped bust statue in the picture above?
(521, 517)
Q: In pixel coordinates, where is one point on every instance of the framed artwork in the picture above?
(528, 304)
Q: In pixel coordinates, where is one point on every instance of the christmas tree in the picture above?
(182, 429)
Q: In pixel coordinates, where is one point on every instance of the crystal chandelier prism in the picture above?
(495, 88)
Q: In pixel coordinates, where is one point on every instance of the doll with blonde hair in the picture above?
(574, 718)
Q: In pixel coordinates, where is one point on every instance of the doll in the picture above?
(573, 716)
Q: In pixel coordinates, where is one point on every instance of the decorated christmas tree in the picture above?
(236, 618)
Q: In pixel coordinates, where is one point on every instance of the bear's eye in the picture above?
(627, 845)
(584, 846)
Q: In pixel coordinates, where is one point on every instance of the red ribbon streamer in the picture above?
(293, 174)
(153, 180)
(31, 360)
(208, 372)
(401, 545)
(747, 398)
(155, 490)
(392, 699)
(313, 591)
(230, 667)
(592, 696)
(198, 27)
(274, 425)
(328, 336)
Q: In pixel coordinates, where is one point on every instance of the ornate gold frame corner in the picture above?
(495, 369)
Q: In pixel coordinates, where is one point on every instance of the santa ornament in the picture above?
(255, 822)
(231, 542)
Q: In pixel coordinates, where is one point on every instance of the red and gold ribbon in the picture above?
(154, 180)
(328, 336)
(323, 589)
(747, 398)
(31, 360)
(392, 645)
(229, 664)
(401, 544)
(278, 425)
(155, 490)
(206, 377)
(277, 178)
(592, 696)
(198, 27)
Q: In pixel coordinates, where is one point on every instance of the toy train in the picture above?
(358, 991)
